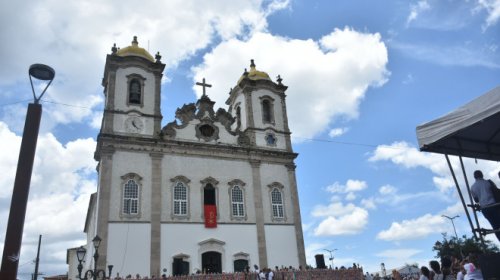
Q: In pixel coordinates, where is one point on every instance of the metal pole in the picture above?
(37, 261)
(461, 197)
(455, 230)
(17, 214)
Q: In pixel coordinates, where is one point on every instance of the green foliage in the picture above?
(454, 247)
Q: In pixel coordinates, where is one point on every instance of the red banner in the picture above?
(210, 216)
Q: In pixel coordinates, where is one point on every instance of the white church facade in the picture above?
(212, 190)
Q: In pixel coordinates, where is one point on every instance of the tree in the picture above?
(453, 247)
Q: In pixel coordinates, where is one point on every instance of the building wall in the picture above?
(257, 108)
(280, 251)
(271, 173)
(72, 264)
(125, 162)
(129, 246)
(237, 239)
(121, 95)
(198, 169)
(189, 133)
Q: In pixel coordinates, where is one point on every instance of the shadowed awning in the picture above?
(472, 130)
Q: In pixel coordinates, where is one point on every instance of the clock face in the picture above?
(134, 124)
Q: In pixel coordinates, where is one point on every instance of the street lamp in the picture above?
(451, 219)
(331, 256)
(91, 274)
(20, 192)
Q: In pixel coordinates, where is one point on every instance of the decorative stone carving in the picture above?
(203, 110)
(186, 113)
(224, 118)
(168, 131)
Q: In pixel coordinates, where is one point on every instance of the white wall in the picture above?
(121, 89)
(129, 248)
(281, 246)
(271, 173)
(257, 109)
(121, 95)
(72, 264)
(130, 162)
(237, 238)
(198, 169)
(189, 133)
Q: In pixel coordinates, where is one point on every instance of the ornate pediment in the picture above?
(203, 111)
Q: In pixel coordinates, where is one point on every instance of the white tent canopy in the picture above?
(472, 130)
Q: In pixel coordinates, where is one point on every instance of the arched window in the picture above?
(237, 206)
(131, 198)
(266, 111)
(134, 92)
(277, 203)
(180, 199)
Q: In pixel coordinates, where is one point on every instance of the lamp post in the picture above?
(331, 256)
(454, 229)
(94, 273)
(20, 192)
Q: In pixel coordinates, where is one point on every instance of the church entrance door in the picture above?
(211, 262)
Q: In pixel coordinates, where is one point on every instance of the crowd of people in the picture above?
(450, 268)
(284, 273)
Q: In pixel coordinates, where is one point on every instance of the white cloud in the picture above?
(387, 189)
(465, 55)
(349, 189)
(348, 224)
(416, 9)
(350, 186)
(338, 69)
(403, 154)
(492, 8)
(399, 253)
(337, 131)
(62, 181)
(369, 203)
(350, 196)
(413, 229)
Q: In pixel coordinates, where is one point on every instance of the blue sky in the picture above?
(361, 75)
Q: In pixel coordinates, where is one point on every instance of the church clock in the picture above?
(134, 124)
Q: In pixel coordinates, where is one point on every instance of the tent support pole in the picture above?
(470, 197)
(461, 196)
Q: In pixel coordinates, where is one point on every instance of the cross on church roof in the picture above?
(204, 85)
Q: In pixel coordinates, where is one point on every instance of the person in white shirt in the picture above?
(424, 273)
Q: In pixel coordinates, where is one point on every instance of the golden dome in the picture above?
(254, 74)
(135, 50)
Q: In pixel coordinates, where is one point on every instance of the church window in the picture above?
(237, 202)
(209, 192)
(135, 92)
(270, 139)
(179, 192)
(207, 130)
(135, 88)
(180, 199)
(277, 203)
(131, 198)
(267, 110)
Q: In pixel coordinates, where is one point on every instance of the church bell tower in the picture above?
(259, 106)
(132, 80)
(132, 115)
